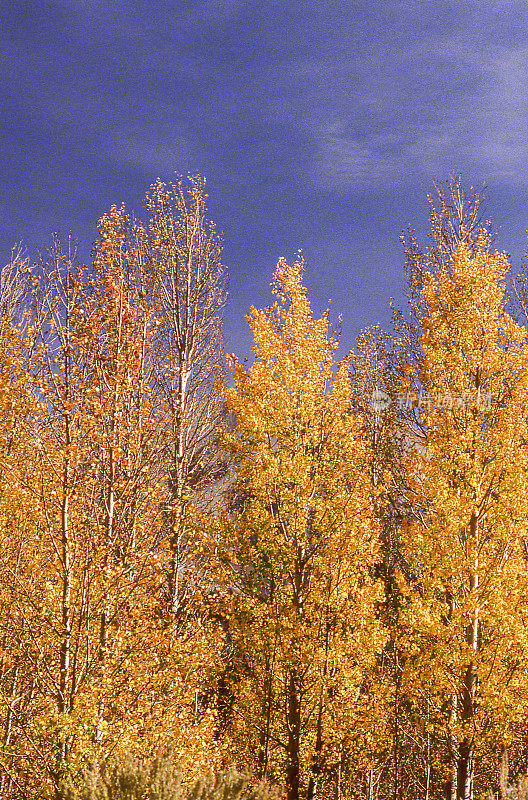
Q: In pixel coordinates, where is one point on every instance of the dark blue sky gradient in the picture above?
(317, 126)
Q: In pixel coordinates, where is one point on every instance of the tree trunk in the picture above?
(63, 695)
(294, 736)
(177, 490)
(337, 793)
(316, 765)
(265, 734)
(465, 759)
(109, 555)
(396, 730)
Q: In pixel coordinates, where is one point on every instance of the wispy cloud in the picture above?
(467, 110)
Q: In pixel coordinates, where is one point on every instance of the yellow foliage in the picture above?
(298, 556)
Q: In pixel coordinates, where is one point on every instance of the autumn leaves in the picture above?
(109, 422)
(379, 622)
(273, 574)
(303, 621)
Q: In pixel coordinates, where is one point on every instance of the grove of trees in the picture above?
(313, 572)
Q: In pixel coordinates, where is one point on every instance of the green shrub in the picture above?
(160, 780)
(230, 786)
(508, 791)
(131, 780)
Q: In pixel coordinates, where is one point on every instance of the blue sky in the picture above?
(319, 126)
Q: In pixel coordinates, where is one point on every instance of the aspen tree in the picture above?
(19, 518)
(467, 471)
(302, 616)
(92, 467)
(189, 288)
(374, 385)
(141, 706)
